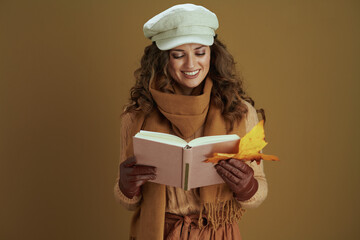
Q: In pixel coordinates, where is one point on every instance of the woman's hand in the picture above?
(133, 176)
(240, 178)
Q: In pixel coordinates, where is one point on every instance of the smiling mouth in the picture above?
(193, 73)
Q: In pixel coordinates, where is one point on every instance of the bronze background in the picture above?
(66, 68)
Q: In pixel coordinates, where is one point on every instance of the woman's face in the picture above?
(188, 65)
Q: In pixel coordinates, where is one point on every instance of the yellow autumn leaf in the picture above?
(249, 147)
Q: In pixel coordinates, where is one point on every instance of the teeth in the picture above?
(192, 73)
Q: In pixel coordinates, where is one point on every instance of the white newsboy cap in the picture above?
(181, 24)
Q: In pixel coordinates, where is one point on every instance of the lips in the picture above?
(191, 74)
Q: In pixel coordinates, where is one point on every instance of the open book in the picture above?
(181, 164)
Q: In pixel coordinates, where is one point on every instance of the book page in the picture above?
(166, 158)
(212, 139)
(162, 138)
(204, 174)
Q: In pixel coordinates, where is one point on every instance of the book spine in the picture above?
(187, 158)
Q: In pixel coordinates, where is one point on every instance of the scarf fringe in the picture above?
(221, 213)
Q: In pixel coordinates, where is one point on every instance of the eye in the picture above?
(177, 56)
(200, 54)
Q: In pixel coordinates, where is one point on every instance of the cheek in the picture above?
(172, 68)
(206, 63)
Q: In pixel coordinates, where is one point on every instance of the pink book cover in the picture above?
(165, 157)
(203, 174)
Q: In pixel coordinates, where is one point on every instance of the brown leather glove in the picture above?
(240, 178)
(133, 176)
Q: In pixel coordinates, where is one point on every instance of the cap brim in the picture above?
(169, 43)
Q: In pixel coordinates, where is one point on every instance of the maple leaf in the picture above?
(249, 147)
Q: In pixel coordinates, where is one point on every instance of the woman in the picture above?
(187, 86)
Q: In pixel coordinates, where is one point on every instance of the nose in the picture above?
(190, 61)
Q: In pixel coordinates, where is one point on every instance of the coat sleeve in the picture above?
(125, 138)
(259, 175)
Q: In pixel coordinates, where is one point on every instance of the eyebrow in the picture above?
(180, 50)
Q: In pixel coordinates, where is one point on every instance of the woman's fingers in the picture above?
(133, 176)
(226, 174)
(142, 170)
(240, 165)
(233, 169)
(142, 178)
(239, 177)
(235, 173)
(129, 162)
(227, 177)
(141, 174)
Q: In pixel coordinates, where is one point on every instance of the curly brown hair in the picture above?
(227, 91)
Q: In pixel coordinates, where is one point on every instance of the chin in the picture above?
(193, 85)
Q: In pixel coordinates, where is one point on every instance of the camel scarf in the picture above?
(183, 115)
